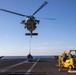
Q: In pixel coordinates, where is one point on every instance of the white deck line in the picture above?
(6, 69)
(72, 71)
(29, 70)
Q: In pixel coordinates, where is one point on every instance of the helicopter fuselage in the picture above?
(30, 23)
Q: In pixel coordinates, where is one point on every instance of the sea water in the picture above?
(22, 57)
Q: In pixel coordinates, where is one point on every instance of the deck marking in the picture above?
(57, 65)
(6, 69)
(72, 71)
(31, 67)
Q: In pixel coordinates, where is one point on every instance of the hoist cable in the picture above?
(30, 46)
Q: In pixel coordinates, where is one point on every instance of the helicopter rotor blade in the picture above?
(40, 7)
(13, 12)
(47, 18)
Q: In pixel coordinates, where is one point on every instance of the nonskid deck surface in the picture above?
(39, 66)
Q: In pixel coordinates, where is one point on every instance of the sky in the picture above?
(54, 36)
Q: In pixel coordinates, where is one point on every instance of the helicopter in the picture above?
(30, 21)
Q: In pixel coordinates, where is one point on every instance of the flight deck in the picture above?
(39, 66)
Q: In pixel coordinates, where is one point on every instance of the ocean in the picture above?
(22, 57)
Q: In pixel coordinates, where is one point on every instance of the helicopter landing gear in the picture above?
(37, 21)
